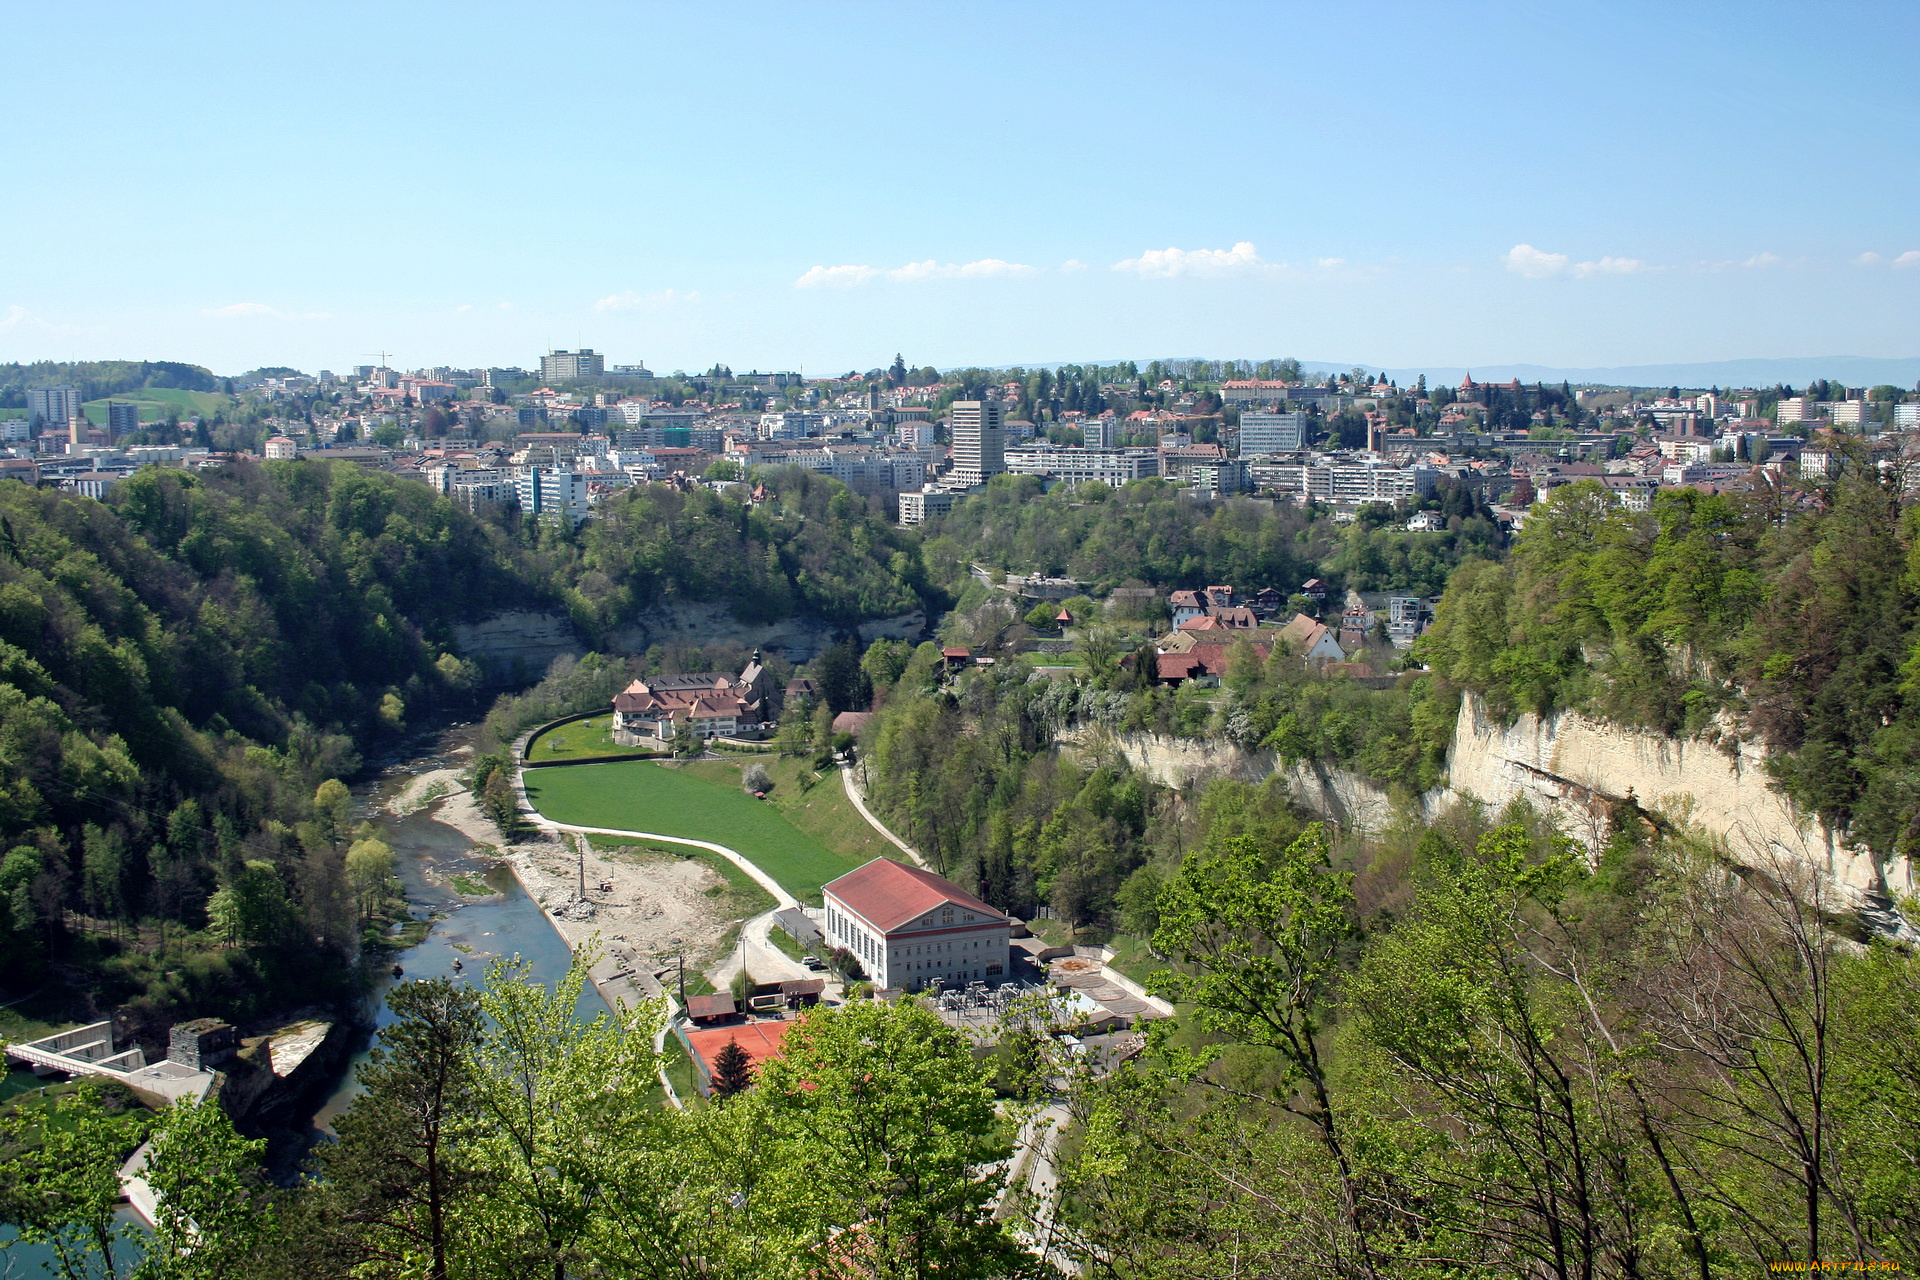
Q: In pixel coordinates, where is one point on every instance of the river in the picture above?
(428, 854)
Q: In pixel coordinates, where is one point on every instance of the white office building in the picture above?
(979, 442)
(1264, 433)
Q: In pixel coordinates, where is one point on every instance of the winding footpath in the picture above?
(757, 950)
(860, 803)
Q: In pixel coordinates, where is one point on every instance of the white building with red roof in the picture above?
(911, 929)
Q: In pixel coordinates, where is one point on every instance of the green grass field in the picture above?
(642, 796)
(816, 803)
(581, 739)
(156, 402)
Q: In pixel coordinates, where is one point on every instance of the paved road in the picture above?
(860, 803)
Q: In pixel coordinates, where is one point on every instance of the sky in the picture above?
(821, 185)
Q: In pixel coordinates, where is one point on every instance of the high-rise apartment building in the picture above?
(1262, 433)
(979, 441)
(123, 419)
(50, 408)
(568, 366)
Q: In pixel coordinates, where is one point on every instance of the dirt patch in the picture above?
(654, 905)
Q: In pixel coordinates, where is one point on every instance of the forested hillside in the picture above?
(1713, 616)
(186, 668)
(812, 547)
(1151, 532)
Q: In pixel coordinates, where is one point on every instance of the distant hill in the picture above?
(1797, 371)
(1854, 371)
(98, 379)
(156, 403)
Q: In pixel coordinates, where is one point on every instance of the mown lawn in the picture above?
(639, 795)
(580, 740)
(816, 803)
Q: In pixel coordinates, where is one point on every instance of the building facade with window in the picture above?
(912, 930)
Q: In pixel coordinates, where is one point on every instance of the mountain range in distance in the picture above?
(1795, 371)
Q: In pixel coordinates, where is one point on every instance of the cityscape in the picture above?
(764, 642)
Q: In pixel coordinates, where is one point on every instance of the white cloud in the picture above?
(845, 277)
(1537, 264)
(1073, 264)
(1911, 258)
(632, 301)
(16, 315)
(241, 310)
(1528, 261)
(1868, 259)
(1763, 259)
(1181, 262)
(1610, 267)
(1331, 263)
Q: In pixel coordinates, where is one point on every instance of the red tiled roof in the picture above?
(887, 894)
(715, 1006)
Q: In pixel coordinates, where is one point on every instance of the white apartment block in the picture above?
(1076, 466)
(918, 507)
(1347, 484)
(1263, 433)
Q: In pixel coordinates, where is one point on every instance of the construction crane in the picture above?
(381, 356)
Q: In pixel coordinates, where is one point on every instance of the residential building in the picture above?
(711, 703)
(1254, 391)
(123, 419)
(568, 366)
(281, 447)
(1076, 466)
(1906, 416)
(979, 442)
(1793, 409)
(1348, 484)
(94, 484)
(553, 494)
(1312, 639)
(912, 930)
(1848, 411)
(51, 408)
(1407, 617)
(1099, 433)
(1262, 433)
(917, 507)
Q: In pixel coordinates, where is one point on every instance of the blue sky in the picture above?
(820, 185)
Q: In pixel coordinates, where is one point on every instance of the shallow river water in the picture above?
(428, 855)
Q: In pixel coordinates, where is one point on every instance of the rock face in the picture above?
(1575, 768)
(798, 638)
(519, 644)
(1342, 796)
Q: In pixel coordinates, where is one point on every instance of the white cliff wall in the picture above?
(1342, 796)
(1568, 765)
(1571, 766)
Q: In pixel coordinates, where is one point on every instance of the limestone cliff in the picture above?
(1577, 767)
(1568, 765)
(519, 644)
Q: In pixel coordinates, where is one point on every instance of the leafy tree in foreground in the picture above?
(882, 1121)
